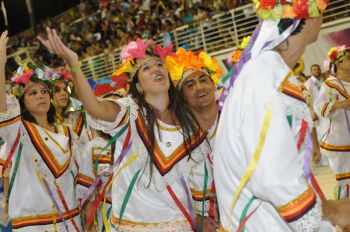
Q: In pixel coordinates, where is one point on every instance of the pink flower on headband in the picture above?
(24, 78)
(163, 52)
(65, 74)
(125, 51)
(135, 49)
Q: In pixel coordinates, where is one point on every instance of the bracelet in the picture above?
(75, 68)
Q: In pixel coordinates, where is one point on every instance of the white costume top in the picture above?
(335, 143)
(151, 207)
(313, 85)
(337, 140)
(287, 202)
(42, 162)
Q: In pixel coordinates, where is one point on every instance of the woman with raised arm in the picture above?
(41, 155)
(160, 140)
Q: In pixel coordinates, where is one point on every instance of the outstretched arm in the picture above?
(3, 59)
(105, 110)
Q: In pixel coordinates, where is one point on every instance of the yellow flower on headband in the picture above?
(125, 68)
(174, 67)
(211, 65)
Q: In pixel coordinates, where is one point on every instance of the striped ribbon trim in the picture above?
(15, 168)
(46, 219)
(12, 151)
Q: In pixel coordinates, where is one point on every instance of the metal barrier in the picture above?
(219, 34)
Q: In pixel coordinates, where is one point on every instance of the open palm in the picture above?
(56, 46)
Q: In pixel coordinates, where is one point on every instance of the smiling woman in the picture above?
(163, 169)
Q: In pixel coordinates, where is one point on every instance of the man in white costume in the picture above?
(262, 148)
(313, 84)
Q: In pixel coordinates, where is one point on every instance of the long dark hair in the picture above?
(26, 115)
(178, 106)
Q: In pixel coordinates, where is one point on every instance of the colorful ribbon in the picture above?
(253, 162)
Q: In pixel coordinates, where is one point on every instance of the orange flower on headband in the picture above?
(186, 60)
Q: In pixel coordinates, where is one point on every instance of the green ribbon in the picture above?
(14, 173)
(225, 78)
(112, 140)
(290, 120)
(204, 193)
(128, 194)
(245, 211)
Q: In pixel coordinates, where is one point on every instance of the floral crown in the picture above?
(184, 61)
(293, 9)
(334, 55)
(24, 74)
(138, 52)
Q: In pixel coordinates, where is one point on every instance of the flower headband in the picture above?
(27, 73)
(138, 52)
(335, 54)
(185, 62)
(292, 9)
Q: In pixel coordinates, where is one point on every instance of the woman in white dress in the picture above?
(45, 178)
(160, 139)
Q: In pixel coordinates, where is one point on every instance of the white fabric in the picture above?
(28, 196)
(278, 178)
(337, 134)
(313, 85)
(150, 206)
(269, 33)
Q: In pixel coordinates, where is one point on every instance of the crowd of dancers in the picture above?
(168, 144)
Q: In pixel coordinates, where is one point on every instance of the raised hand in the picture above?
(3, 43)
(56, 46)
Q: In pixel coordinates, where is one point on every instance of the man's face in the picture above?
(316, 71)
(198, 90)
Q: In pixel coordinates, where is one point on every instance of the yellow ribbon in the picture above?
(54, 212)
(253, 162)
(104, 213)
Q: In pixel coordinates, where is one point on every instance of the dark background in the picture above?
(18, 16)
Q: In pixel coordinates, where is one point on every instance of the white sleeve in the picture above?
(113, 127)
(9, 127)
